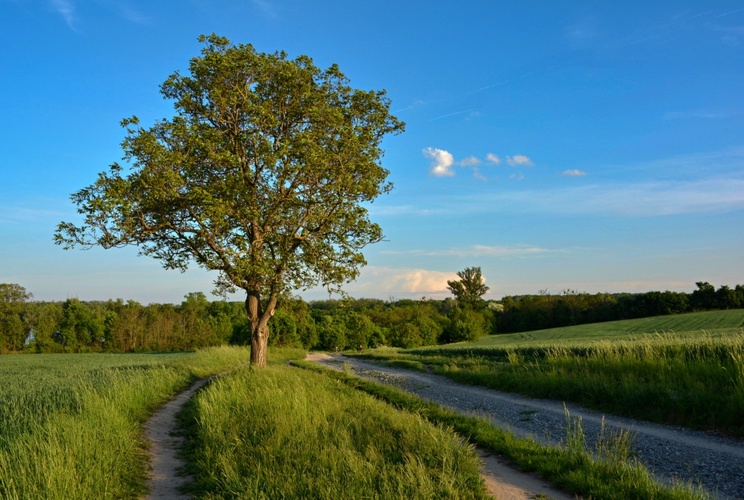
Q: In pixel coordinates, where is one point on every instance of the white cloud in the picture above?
(442, 162)
(66, 9)
(265, 7)
(478, 251)
(478, 175)
(516, 177)
(642, 199)
(519, 161)
(389, 281)
(470, 161)
(573, 173)
(493, 159)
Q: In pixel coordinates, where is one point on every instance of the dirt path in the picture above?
(502, 481)
(165, 478)
(672, 454)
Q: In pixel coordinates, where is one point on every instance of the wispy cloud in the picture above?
(400, 210)
(493, 159)
(442, 162)
(66, 9)
(575, 172)
(708, 115)
(267, 8)
(470, 161)
(715, 195)
(21, 215)
(477, 251)
(519, 161)
(133, 15)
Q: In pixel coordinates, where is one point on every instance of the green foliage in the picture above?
(470, 288)
(13, 323)
(467, 325)
(70, 424)
(309, 437)
(261, 175)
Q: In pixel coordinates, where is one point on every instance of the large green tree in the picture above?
(470, 288)
(262, 175)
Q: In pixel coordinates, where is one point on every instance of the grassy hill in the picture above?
(711, 323)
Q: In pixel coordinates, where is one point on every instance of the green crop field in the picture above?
(681, 325)
(71, 424)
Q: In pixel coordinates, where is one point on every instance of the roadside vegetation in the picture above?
(71, 424)
(607, 471)
(693, 378)
(286, 433)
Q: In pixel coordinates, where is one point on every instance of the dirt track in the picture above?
(671, 453)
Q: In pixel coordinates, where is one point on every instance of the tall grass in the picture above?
(607, 471)
(696, 382)
(70, 425)
(286, 433)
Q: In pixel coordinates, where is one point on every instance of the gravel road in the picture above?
(672, 453)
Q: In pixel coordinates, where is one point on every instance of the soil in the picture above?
(166, 477)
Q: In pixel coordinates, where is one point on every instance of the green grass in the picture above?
(693, 378)
(286, 433)
(71, 424)
(688, 325)
(607, 471)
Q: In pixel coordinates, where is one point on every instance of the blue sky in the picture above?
(591, 146)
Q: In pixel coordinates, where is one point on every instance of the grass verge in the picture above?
(606, 472)
(285, 433)
(696, 382)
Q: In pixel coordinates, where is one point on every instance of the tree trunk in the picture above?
(259, 320)
(259, 346)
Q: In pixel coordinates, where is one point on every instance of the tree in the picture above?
(13, 327)
(261, 175)
(704, 297)
(470, 288)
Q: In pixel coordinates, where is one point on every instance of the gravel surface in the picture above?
(672, 453)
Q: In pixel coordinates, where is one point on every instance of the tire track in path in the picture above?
(165, 477)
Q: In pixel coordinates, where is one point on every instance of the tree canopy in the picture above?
(262, 175)
(469, 289)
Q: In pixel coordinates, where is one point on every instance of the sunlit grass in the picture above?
(606, 471)
(286, 433)
(71, 424)
(695, 380)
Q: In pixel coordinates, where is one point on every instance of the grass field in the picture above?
(71, 427)
(287, 433)
(686, 370)
(71, 424)
(712, 323)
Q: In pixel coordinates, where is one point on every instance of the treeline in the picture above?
(118, 326)
(115, 325)
(536, 312)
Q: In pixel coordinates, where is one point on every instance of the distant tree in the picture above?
(262, 175)
(80, 327)
(466, 324)
(470, 288)
(704, 297)
(13, 327)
